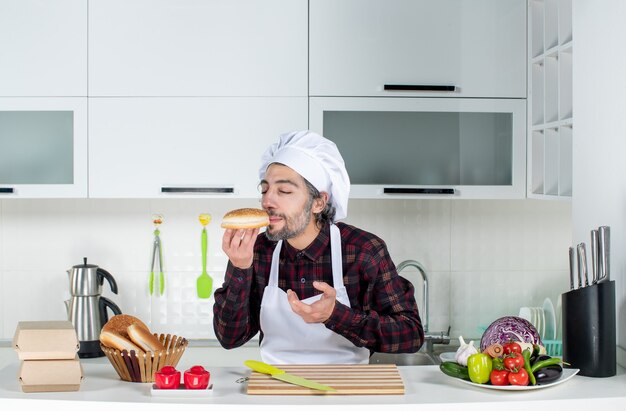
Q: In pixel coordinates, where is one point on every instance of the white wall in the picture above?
(485, 259)
(599, 192)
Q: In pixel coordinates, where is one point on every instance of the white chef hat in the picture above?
(315, 158)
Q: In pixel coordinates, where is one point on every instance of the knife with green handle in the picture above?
(279, 374)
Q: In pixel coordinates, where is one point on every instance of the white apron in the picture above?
(288, 339)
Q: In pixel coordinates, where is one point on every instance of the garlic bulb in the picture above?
(464, 351)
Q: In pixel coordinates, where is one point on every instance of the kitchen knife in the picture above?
(604, 251)
(594, 256)
(279, 374)
(572, 263)
(582, 265)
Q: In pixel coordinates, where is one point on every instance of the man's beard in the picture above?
(294, 226)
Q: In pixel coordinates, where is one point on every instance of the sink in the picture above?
(418, 358)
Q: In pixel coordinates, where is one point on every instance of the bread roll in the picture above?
(120, 323)
(245, 218)
(144, 338)
(115, 340)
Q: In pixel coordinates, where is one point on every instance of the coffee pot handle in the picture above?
(102, 274)
(103, 304)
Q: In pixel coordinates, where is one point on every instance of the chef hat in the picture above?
(315, 158)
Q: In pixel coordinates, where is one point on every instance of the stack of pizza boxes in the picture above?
(48, 353)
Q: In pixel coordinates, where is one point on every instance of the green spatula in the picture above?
(204, 284)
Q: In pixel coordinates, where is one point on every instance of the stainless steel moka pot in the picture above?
(86, 308)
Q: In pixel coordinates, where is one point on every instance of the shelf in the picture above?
(537, 165)
(537, 93)
(537, 28)
(551, 162)
(551, 85)
(566, 46)
(565, 163)
(566, 122)
(565, 85)
(565, 21)
(549, 197)
(550, 99)
(551, 24)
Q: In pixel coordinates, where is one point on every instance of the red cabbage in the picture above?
(509, 328)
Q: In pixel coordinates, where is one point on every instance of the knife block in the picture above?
(589, 336)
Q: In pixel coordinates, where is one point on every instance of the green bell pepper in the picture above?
(479, 367)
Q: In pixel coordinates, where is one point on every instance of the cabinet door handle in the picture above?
(6, 190)
(394, 190)
(419, 87)
(198, 190)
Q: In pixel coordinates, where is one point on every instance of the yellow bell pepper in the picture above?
(479, 367)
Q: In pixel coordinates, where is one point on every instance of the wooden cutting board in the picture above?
(383, 379)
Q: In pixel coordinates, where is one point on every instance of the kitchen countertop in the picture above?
(425, 386)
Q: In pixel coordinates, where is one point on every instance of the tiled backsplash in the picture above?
(484, 258)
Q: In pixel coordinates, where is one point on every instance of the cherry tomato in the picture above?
(518, 378)
(499, 377)
(510, 347)
(513, 361)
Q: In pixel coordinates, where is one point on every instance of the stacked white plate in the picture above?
(550, 320)
(542, 318)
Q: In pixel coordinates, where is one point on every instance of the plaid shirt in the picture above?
(382, 316)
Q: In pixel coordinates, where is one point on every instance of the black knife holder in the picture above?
(589, 336)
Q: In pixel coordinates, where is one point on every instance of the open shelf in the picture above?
(537, 97)
(565, 84)
(565, 164)
(536, 28)
(537, 162)
(550, 131)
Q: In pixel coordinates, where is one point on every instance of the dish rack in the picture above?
(554, 348)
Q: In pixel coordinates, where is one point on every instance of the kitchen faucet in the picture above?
(439, 337)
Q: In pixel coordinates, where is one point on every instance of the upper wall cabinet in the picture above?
(43, 48)
(198, 48)
(43, 147)
(427, 147)
(465, 48)
(184, 147)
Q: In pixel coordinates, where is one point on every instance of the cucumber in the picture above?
(454, 369)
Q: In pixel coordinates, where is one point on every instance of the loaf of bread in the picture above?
(115, 340)
(120, 323)
(243, 218)
(144, 338)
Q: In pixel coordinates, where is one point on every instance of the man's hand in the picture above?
(319, 311)
(239, 246)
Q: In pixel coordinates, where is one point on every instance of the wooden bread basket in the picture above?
(141, 367)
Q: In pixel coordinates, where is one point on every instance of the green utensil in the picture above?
(204, 284)
(279, 374)
(157, 254)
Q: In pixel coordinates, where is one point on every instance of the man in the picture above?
(318, 291)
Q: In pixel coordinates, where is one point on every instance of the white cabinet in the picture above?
(198, 47)
(181, 147)
(43, 48)
(43, 147)
(427, 147)
(550, 123)
(359, 46)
